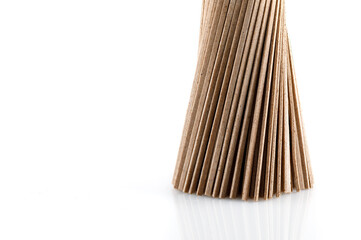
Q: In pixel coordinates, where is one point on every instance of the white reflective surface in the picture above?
(287, 217)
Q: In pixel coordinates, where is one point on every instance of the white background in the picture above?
(93, 96)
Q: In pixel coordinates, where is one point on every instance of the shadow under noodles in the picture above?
(202, 217)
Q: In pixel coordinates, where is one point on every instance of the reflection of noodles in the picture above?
(208, 218)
